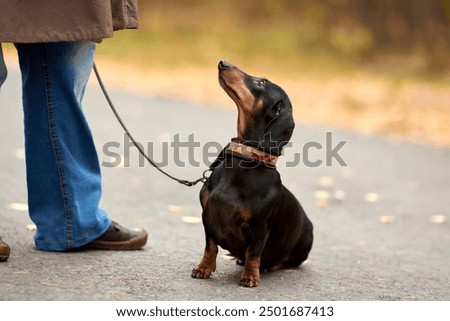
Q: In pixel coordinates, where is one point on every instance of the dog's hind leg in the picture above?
(207, 264)
(301, 251)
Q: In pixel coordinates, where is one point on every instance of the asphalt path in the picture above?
(382, 229)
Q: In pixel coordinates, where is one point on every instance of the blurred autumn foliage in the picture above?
(375, 66)
(411, 33)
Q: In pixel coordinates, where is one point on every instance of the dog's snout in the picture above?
(224, 64)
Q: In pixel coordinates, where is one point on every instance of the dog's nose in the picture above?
(224, 64)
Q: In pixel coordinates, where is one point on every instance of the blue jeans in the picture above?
(3, 71)
(63, 171)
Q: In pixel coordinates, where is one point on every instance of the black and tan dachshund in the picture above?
(246, 209)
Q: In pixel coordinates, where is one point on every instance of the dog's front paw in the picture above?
(249, 280)
(201, 271)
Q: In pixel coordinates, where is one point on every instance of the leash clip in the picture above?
(202, 179)
(205, 178)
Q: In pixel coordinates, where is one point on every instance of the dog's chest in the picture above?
(227, 206)
(227, 222)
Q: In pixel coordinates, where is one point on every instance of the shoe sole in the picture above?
(4, 257)
(130, 245)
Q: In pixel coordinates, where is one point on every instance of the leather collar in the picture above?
(251, 153)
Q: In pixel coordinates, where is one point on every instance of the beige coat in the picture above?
(29, 21)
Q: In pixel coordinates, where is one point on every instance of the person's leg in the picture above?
(63, 172)
(4, 248)
(3, 70)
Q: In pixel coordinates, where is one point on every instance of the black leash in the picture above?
(139, 148)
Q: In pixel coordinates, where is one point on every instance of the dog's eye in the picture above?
(261, 83)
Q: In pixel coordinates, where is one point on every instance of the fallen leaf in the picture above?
(191, 219)
(19, 153)
(31, 227)
(18, 207)
(339, 195)
(228, 257)
(386, 219)
(438, 219)
(322, 195)
(175, 209)
(372, 197)
(326, 181)
(321, 198)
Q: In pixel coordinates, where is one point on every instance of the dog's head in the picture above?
(264, 109)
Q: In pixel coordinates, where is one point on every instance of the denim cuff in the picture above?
(3, 71)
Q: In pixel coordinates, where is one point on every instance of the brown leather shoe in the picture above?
(4, 251)
(120, 238)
